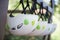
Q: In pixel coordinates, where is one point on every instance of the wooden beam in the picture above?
(3, 16)
(17, 11)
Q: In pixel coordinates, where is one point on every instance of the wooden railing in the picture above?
(3, 16)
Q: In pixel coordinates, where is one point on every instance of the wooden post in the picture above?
(3, 16)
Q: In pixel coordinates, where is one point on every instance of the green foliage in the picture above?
(7, 27)
(12, 37)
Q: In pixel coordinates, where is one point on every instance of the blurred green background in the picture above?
(56, 19)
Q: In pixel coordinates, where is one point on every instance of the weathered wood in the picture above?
(17, 11)
(3, 16)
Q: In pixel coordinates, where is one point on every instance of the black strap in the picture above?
(20, 2)
(40, 14)
(41, 8)
(52, 3)
(46, 15)
(50, 16)
(34, 6)
(24, 11)
(13, 11)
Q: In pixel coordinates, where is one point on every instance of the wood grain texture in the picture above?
(3, 17)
